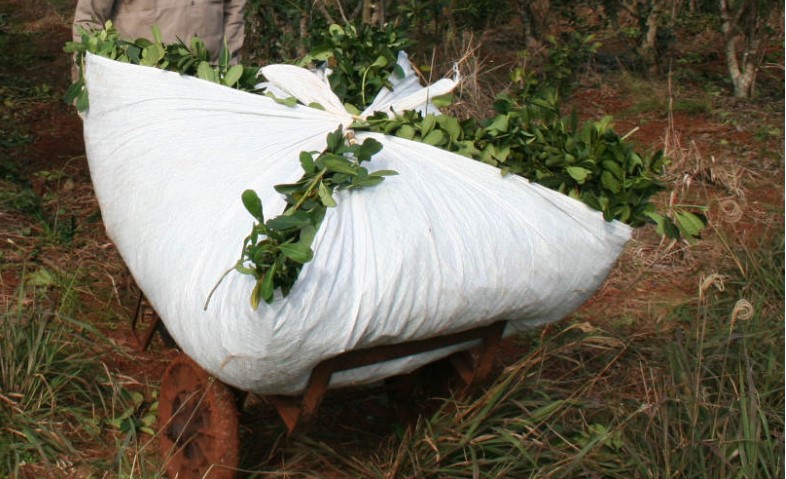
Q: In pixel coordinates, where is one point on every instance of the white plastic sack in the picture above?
(447, 245)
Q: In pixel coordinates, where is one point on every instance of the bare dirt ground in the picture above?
(727, 156)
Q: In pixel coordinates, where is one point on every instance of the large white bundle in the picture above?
(447, 245)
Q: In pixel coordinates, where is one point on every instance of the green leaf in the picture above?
(613, 167)
(488, 155)
(499, 124)
(369, 148)
(634, 161)
(224, 56)
(134, 54)
(253, 204)
(663, 225)
(307, 162)
(206, 72)
(287, 222)
(468, 149)
(264, 287)
(502, 153)
(307, 235)
(384, 173)
(297, 252)
(41, 277)
(623, 213)
(555, 160)
(690, 224)
(233, 75)
(406, 131)
(325, 196)
(338, 164)
(82, 102)
(351, 109)
(151, 55)
(442, 101)
(256, 294)
(335, 139)
(610, 182)
(288, 101)
(288, 188)
(156, 34)
(451, 126)
(578, 173)
(367, 181)
(73, 91)
(74, 47)
(380, 62)
(428, 123)
(436, 137)
(245, 270)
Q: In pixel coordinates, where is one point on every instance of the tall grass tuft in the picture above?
(704, 398)
(718, 410)
(48, 397)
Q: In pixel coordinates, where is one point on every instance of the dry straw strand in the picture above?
(743, 311)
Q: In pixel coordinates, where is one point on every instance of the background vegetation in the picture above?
(674, 369)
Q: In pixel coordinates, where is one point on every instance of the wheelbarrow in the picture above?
(449, 244)
(198, 423)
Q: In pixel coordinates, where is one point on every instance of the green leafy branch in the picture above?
(529, 137)
(193, 60)
(589, 162)
(276, 249)
(361, 58)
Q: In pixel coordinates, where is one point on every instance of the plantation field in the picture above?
(674, 368)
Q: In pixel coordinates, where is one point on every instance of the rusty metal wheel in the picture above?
(197, 423)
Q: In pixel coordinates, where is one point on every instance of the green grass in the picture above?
(47, 395)
(58, 401)
(693, 106)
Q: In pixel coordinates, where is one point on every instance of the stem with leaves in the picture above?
(276, 249)
(193, 60)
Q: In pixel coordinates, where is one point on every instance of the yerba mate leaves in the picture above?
(588, 162)
(193, 60)
(276, 249)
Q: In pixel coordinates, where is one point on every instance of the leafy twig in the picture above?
(276, 249)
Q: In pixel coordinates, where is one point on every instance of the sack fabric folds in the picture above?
(446, 245)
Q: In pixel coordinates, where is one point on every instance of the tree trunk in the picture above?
(527, 22)
(305, 19)
(740, 27)
(648, 46)
(533, 14)
(368, 12)
(741, 70)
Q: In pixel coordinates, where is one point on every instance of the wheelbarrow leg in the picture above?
(294, 412)
(156, 324)
(475, 371)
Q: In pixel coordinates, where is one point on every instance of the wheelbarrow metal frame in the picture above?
(294, 410)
